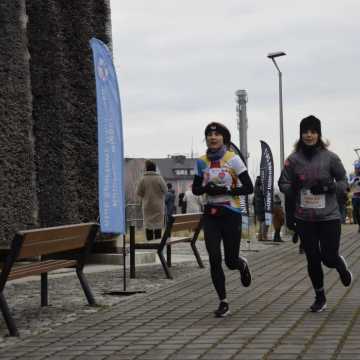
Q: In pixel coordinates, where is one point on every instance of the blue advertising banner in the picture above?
(110, 142)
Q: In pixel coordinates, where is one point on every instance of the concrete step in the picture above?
(141, 258)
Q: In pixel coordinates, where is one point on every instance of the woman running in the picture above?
(222, 177)
(311, 176)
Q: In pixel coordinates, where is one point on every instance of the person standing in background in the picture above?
(278, 218)
(182, 203)
(170, 202)
(152, 189)
(349, 208)
(341, 197)
(355, 189)
(259, 208)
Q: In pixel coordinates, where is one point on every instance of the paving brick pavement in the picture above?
(269, 320)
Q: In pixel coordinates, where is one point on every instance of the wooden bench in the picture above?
(53, 248)
(179, 222)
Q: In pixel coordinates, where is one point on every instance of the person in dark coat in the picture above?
(341, 197)
(355, 189)
(259, 208)
(170, 202)
(182, 203)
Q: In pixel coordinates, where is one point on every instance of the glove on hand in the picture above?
(213, 189)
(323, 188)
(297, 184)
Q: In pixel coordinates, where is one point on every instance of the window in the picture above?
(180, 171)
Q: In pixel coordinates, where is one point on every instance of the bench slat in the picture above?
(187, 217)
(50, 247)
(148, 245)
(52, 240)
(39, 268)
(174, 240)
(188, 225)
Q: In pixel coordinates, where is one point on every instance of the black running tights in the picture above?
(321, 241)
(226, 227)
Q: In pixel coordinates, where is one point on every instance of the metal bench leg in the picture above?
(85, 286)
(197, 255)
(44, 289)
(7, 317)
(164, 264)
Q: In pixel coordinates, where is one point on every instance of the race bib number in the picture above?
(310, 201)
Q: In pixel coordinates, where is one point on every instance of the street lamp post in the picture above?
(272, 56)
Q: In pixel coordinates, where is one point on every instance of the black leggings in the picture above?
(153, 234)
(226, 227)
(321, 241)
(356, 210)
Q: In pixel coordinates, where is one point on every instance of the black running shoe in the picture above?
(346, 275)
(222, 310)
(245, 274)
(319, 305)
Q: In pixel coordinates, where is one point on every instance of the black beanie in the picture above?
(221, 129)
(310, 123)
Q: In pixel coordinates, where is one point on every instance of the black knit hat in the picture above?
(221, 129)
(310, 123)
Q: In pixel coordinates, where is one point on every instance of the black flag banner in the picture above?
(244, 199)
(267, 179)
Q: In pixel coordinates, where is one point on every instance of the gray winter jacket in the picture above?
(301, 173)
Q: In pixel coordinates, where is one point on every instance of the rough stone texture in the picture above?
(17, 196)
(48, 137)
(64, 106)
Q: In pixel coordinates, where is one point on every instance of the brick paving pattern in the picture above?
(270, 319)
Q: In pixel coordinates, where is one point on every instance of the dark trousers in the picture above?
(277, 236)
(153, 234)
(321, 241)
(356, 210)
(225, 227)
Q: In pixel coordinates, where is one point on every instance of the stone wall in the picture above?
(18, 205)
(48, 139)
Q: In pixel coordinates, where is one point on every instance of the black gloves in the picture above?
(297, 185)
(213, 189)
(323, 188)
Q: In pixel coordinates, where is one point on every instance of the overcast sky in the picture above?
(179, 64)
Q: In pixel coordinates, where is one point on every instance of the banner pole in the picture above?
(124, 264)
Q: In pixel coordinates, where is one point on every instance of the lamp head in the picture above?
(276, 54)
